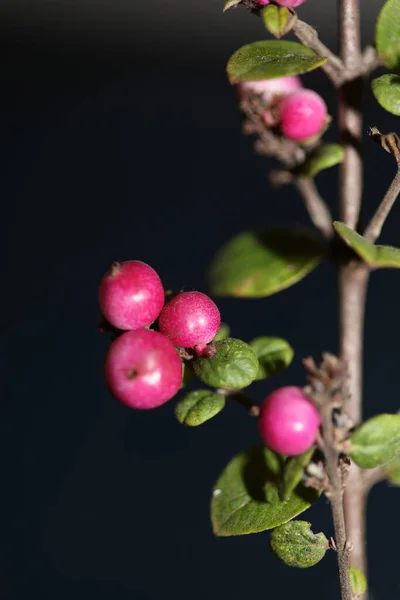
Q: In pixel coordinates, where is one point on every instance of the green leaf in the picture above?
(386, 90)
(324, 157)
(234, 365)
(387, 35)
(198, 406)
(392, 470)
(293, 471)
(358, 581)
(223, 332)
(274, 355)
(231, 4)
(270, 59)
(377, 257)
(376, 442)
(278, 20)
(297, 545)
(258, 264)
(246, 499)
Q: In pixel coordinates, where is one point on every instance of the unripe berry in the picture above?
(271, 89)
(303, 114)
(189, 319)
(289, 3)
(131, 295)
(288, 421)
(143, 369)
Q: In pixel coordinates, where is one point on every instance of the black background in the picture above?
(121, 139)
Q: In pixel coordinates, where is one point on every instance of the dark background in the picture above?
(121, 139)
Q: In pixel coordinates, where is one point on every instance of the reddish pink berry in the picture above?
(189, 319)
(271, 89)
(131, 295)
(289, 3)
(263, 2)
(288, 421)
(143, 369)
(303, 115)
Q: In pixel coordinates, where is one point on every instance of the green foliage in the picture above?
(278, 20)
(234, 365)
(223, 332)
(293, 471)
(324, 157)
(387, 35)
(358, 581)
(270, 59)
(392, 470)
(198, 406)
(297, 546)
(377, 257)
(246, 499)
(256, 264)
(376, 442)
(274, 355)
(387, 91)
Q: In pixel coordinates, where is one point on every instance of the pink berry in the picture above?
(271, 89)
(189, 319)
(263, 2)
(143, 369)
(288, 421)
(131, 295)
(289, 3)
(303, 115)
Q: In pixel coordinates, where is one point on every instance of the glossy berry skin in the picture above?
(143, 369)
(271, 89)
(131, 295)
(189, 319)
(288, 421)
(289, 3)
(303, 115)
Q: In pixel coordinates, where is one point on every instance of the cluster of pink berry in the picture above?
(299, 113)
(143, 367)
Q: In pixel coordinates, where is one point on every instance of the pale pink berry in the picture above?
(131, 295)
(143, 369)
(288, 421)
(271, 89)
(289, 3)
(189, 319)
(303, 115)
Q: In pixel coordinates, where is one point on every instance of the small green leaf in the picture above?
(223, 332)
(198, 407)
(274, 355)
(246, 499)
(278, 20)
(297, 546)
(258, 264)
(358, 581)
(270, 59)
(231, 4)
(387, 35)
(392, 470)
(377, 257)
(293, 471)
(324, 157)
(386, 90)
(234, 365)
(376, 442)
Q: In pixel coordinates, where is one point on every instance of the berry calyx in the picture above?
(143, 369)
(288, 421)
(189, 319)
(303, 115)
(131, 295)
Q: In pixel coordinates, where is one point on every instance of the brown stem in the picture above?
(316, 207)
(374, 228)
(309, 37)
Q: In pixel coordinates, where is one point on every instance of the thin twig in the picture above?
(309, 37)
(374, 228)
(373, 476)
(316, 207)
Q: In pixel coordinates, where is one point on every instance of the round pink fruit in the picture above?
(189, 319)
(288, 421)
(303, 114)
(289, 3)
(143, 369)
(271, 89)
(131, 295)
